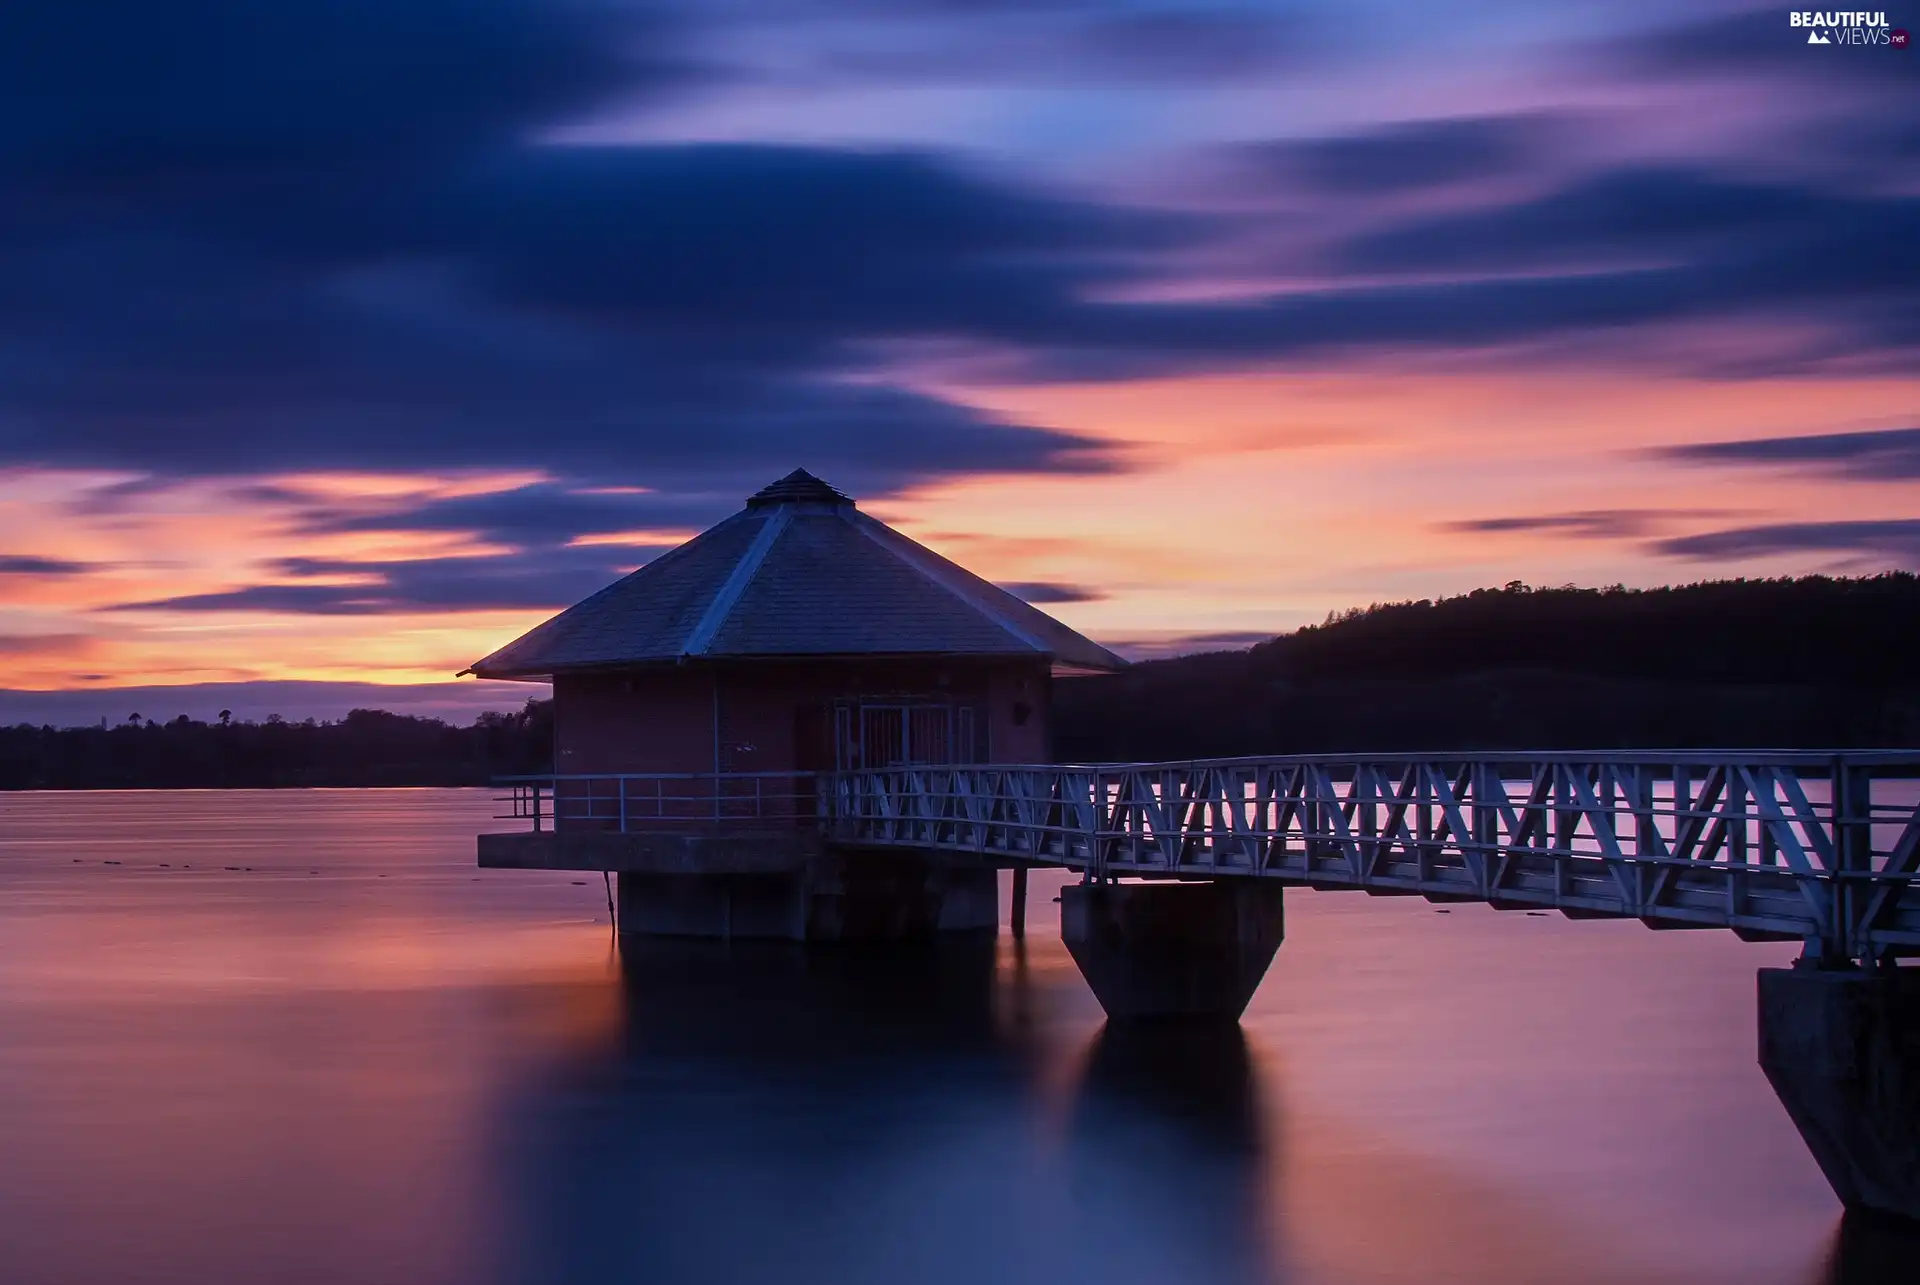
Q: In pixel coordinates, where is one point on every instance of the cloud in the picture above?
(528, 579)
(1636, 216)
(615, 315)
(331, 237)
(538, 514)
(1876, 455)
(1897, 539)
(350, 242)
(1001, 44)
(1043, 591)
(16, 564)
(1408, 155)
(289, 93)
(1585, 524)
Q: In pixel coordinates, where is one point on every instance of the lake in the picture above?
(296, 1037)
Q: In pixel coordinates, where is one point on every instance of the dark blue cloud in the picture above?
(339, 237)
(1627, 218)
(1593, 524)
(527, 579)
(141, 101)
(1044, 591)
(1896, 540)
(17, 564)
(1085, 41)
(1406, 156)
(1873, 456)
(541, 514)
(243, 238)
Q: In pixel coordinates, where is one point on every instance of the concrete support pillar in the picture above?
(719, 907)
(1192, 951)
(969, 898)
(831, 899)
(1842, 1049)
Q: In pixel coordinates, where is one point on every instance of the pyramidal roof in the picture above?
(800, 571)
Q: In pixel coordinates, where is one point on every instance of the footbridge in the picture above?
(1179, 910)
(1820, 848)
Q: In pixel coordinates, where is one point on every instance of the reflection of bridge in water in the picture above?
(1180, 910)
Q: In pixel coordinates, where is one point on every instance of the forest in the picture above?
(367, 747)
(1810, 662)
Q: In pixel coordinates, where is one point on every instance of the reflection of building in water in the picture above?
(772, 1114)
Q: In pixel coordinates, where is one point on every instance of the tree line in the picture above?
(1812, 662)
(368, 747)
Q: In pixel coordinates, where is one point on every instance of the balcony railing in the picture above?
(641, 801)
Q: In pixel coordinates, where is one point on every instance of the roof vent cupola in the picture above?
(797, 487)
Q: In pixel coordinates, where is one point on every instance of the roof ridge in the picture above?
(701, 636)
(872, 528)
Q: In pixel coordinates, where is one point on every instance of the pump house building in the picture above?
(799, 635)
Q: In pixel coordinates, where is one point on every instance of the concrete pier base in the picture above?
(832, 898)
(1186, 951)
(721, 907)
(1842, 1050)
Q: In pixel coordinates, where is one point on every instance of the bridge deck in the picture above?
(1753, 843)
(1823, 847)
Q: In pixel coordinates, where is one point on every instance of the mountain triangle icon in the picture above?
(1815, 38)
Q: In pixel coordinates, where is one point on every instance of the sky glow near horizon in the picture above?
(346, 342)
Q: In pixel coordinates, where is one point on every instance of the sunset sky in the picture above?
(344, 341)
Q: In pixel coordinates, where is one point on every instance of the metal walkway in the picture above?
(1820, 847)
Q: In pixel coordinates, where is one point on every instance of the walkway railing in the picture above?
(1820, 847)
(641, 801)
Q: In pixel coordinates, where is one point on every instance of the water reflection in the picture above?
(1168, 1135)
(768, 1113)
(295, 1037)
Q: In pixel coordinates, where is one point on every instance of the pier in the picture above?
(1184, 868)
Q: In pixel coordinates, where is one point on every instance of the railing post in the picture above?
(1486, 824)
(1852, 791)
(536, 807)
(1096, 850)
(621, 781)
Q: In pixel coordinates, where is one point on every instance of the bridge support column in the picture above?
(1842, 1050)
(832, 898)
(719, 907)
(1190, 951)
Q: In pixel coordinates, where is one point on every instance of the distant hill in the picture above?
(1808, 662)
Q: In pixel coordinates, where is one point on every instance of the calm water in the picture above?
(295, 1037)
